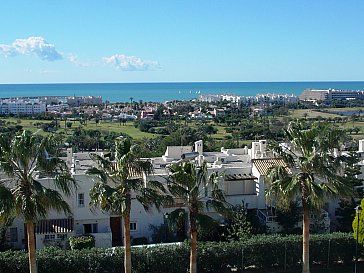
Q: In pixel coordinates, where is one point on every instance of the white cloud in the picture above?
(31, 46)
(73, 58)
(130, 63)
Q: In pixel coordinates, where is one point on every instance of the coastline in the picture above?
(159, 92)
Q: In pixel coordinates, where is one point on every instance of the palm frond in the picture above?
(176, 218)
(6, 203)
(101, 174)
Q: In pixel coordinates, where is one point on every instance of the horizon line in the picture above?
(166, 82)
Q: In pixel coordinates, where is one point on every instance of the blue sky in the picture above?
(44, 41)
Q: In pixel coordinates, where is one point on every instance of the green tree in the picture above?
(345, 214)
(199, 192)
(288, 217)
(361, 224)
(121, 177)
(240, 227)
(313, 171)
(25, 158)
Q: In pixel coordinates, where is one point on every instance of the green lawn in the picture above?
(115, 127)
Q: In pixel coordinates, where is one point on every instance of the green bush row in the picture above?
(261, 251)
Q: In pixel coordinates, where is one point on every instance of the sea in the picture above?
(167, 91)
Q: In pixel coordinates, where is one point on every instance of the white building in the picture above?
(259, 98)
(243, 180)
(22, 106)
(330, 95)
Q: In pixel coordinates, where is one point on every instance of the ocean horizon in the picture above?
(166, 91)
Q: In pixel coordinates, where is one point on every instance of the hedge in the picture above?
(265, 252)
(81, 242)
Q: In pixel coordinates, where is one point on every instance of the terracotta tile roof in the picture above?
(263, 165)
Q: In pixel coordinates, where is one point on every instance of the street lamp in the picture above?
(358, 210)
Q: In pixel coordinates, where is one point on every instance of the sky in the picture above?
(44, 41)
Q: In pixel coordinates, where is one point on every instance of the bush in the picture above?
(264, 252)
(81, 242)
(139, 241)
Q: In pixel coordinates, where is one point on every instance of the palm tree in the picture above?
(121, 179)
(24, 159)
(313, 172)
(191, 183)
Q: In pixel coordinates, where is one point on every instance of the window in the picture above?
(133, 226)
(90, 228)
(81, 200)
(13, 234)
(49, 237)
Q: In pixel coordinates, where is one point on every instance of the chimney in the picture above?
(199, 147)
(69, 157)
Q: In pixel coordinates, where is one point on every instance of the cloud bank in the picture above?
(37, 46)
(130, 63)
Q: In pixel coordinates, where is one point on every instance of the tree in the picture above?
(345, 214)
(25, 158)
(192, 185)
(121, 177)
(361, 224)
(288, 217)
(240, 228)
(313, 171)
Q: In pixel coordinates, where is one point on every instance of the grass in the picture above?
(135, 133)
(129, 128)
(116, 127)
(301, 113)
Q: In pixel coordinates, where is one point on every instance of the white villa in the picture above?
(243, 181)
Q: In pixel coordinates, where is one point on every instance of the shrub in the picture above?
(139, 241)
(265, 252)
(81, 242)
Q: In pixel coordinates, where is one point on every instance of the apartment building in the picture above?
(22, 106)
(243, 181)
(330, 95)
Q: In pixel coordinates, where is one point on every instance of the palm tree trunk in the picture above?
(193, 235)
(306, 239)
(31, 248)
(127, 244)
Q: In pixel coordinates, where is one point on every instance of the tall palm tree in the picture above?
(198, 191)
(313, 171)
(24, 159)
(121, 178)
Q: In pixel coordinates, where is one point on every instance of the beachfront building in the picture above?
(246, 100)
(276, 98)
(74, 101)
(22, 106)
(315, 95)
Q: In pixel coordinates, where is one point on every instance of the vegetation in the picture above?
(312, 172)
(81, 242)
(359, 233)
(25, 159)
(121, 176)
(264, 253)
(239, 228)
(197, 190)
